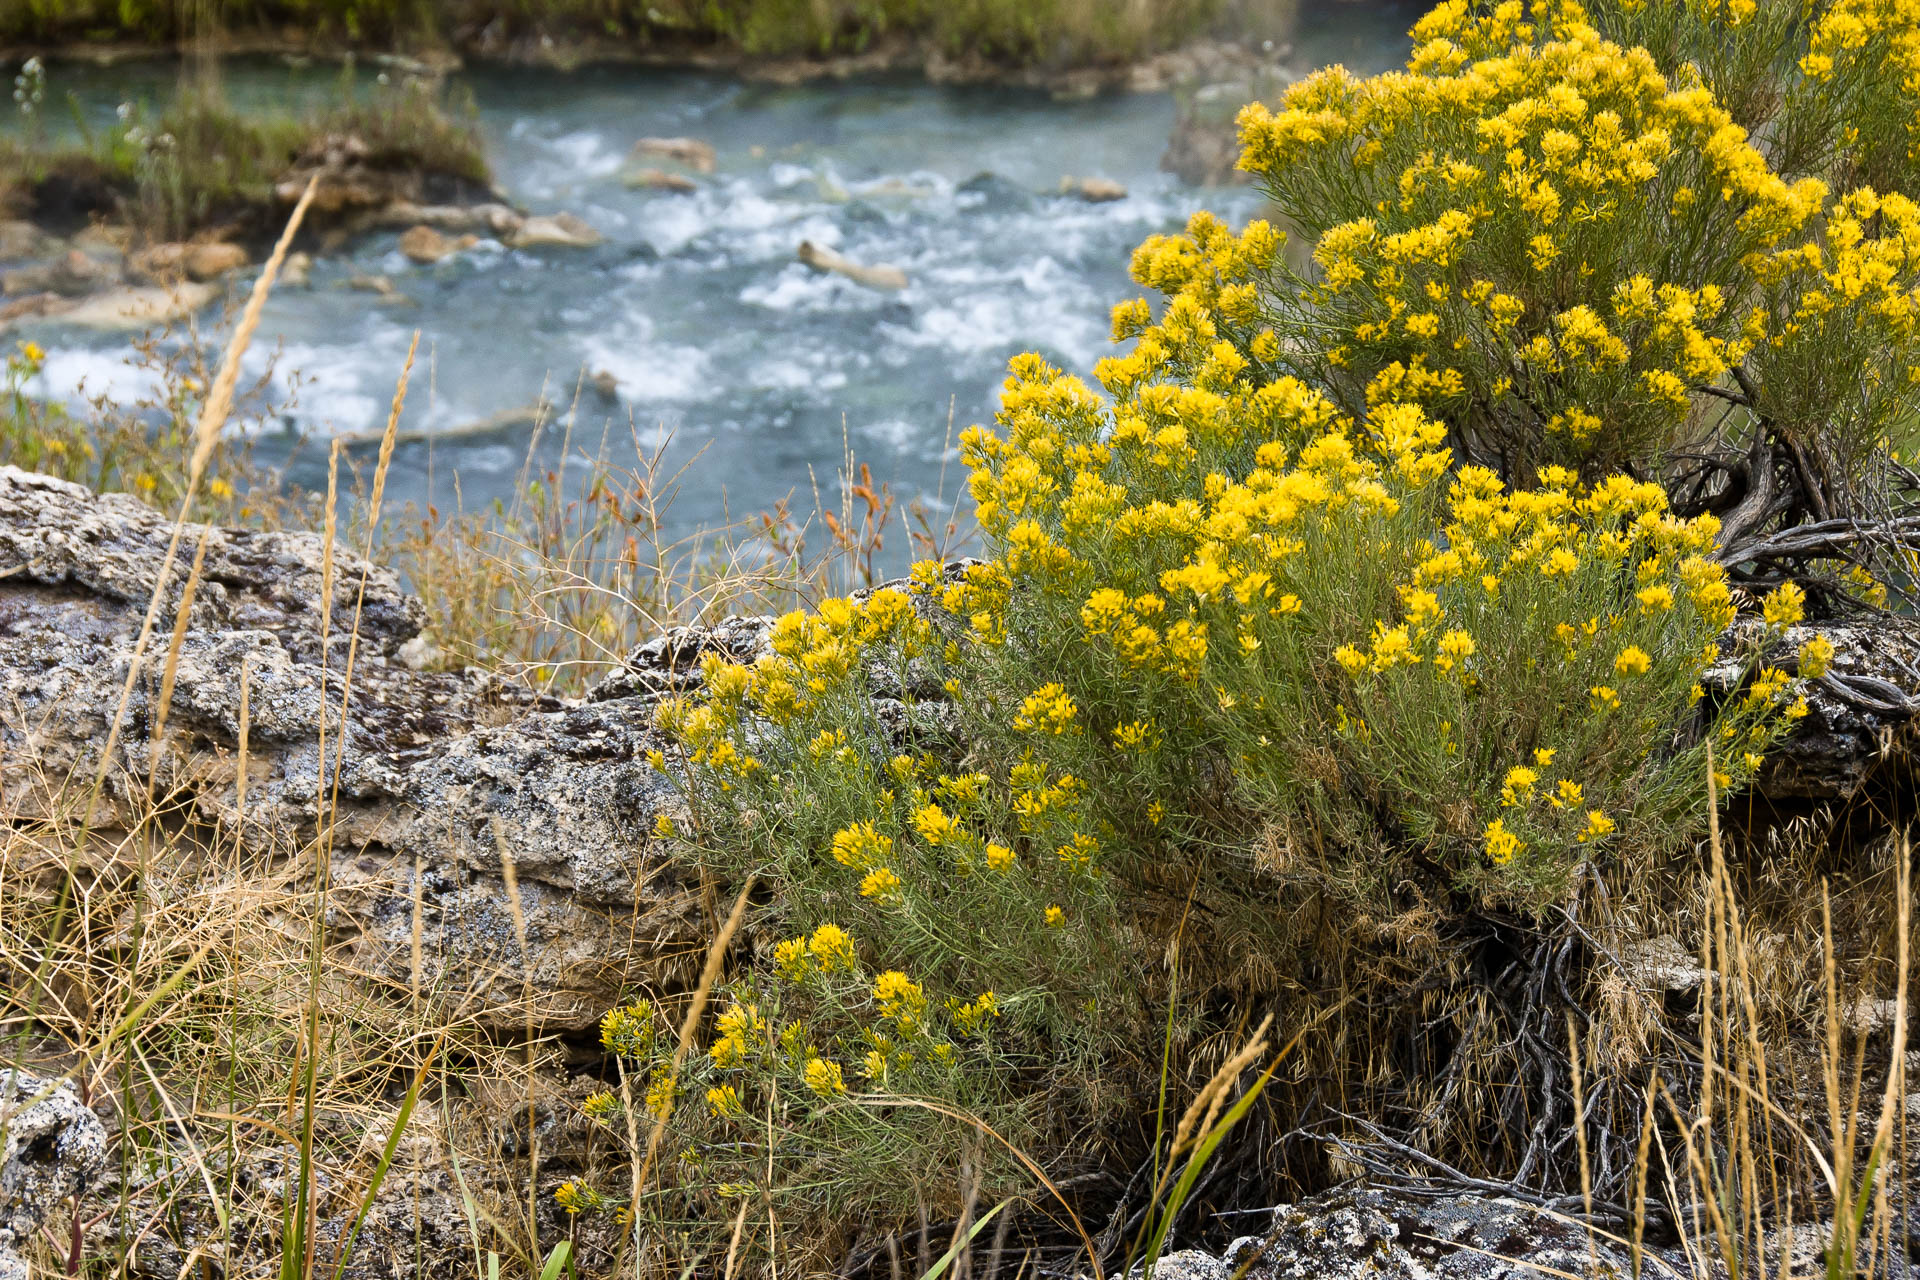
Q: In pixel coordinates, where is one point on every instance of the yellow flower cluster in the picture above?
(628, 1031)
(1486, 223)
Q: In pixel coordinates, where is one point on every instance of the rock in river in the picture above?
(559, 230)
(886, 278)
(691, 152)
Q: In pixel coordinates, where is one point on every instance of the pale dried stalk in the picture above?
(213, 416)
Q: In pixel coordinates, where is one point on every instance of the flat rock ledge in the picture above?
(443, 778)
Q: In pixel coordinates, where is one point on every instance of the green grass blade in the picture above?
(1197, 1162)
(386, 1159)
(960, 1246)
(557, 1260)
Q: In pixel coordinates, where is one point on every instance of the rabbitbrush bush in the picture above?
(1387, 581)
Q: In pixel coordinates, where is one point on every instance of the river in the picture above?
(760, 377)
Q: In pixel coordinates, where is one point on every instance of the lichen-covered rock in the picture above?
(1858, 712)
(467, 811)
(51, 1147)
(1379, 1235)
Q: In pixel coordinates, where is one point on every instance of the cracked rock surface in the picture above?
(442, 777)
(1380, 1235)
(51, 1148)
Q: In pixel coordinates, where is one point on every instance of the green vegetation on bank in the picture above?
(1019, 32)
(196, 163)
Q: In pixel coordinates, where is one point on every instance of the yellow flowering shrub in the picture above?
(1567, 255)
(796, 1057)
(1829, 88)
(1371, 581)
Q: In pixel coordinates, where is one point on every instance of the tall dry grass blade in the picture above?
(213, 416)
(240, 772)
(510, 878)
(297, 1249)
(1578, 1080)
(709, 975)
(387, 439)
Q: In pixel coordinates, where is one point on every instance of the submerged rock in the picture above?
(126, 310)
(1093, 190)
(660, 180)
(425, 245)
(20, 239)
(296, 272)
(886, 278)
(74, 274)
(559, 230)
(691, 152)
(164, 263)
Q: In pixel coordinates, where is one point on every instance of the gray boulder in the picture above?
(52, 1147)
(1381, 1235)
(467, 809)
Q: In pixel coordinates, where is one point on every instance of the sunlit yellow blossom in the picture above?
(1816, 657)
(628, 1031)
(880, 884)
(1517, 789)
(1501, 844)
(1785, 606)
(824, 1078)
(1632, 661)
(832, 949)
(860, 846)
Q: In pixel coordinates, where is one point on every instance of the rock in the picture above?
(20, 239)
(559, 230)
(443, 774)
(660, 180)
(32, 306)
(1093, 190)
(52, 1147)
(691, 152)
(1858, 713)
(1187, 1264)
(987, 190)
(1204, 147)
(158, 263)
(493, 218)
(382, 285)
(425, 245)
(165, 263)
(74, 274)
(349, 178)
(296, 272)
(1661, 964)
(504, 422)
(104, 240)
(211, 261)
(889, 278)
(1378, 1235)
(126, 310)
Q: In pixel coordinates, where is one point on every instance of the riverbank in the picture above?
(783, 36)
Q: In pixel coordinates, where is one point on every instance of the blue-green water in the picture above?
(722, 345)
